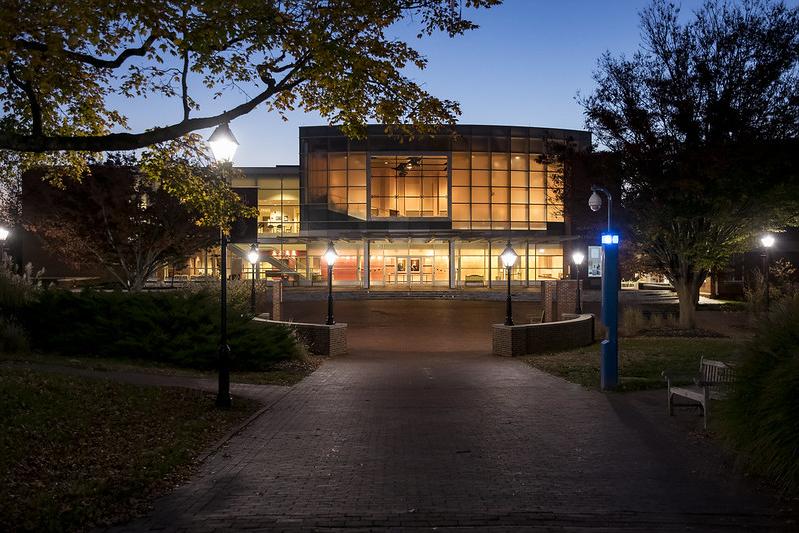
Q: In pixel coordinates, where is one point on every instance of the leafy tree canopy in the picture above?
(704, 119)
(131, 216)
(62, 61)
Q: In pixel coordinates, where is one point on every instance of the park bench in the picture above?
(474, 279)
(714, 381)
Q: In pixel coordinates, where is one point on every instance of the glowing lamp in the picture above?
(767, 240)
(509, 256)
(223, 143)
(610, 238)
(578, 258)
(4, 233)
(330, 254)
(253, 256)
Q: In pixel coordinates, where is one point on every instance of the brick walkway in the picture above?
(419, 427)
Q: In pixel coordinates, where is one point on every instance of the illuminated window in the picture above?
(409, 186)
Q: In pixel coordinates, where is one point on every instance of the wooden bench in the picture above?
(714, 381)
(474, 279)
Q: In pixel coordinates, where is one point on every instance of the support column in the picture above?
(307, 266)
(527, 263)
(366, 264)
(488, 257)
(452, 271)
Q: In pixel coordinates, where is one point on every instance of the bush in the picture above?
(634, 321)
(17, 290)
(13, 338)
(178, 328)
(761, 419)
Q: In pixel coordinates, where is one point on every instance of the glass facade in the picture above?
(505, 191)
(408, 186)
(422, 211)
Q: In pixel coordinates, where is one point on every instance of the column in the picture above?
(366, 264)
(452, 273)
(490, 262)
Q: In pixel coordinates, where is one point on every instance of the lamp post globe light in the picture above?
(767, 241)
(578, 257)
(609, 358)
(223, 146)
(508, 257)
(330, 256)
(4, 234)
(253, 256)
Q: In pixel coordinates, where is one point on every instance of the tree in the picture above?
(704, 119)
(117, 216)
(63, 60)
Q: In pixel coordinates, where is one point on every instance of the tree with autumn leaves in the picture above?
(703, 122)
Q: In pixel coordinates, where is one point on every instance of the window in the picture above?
(408, 186)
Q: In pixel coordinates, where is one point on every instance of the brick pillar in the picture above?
(277, 298)
(548, 290)
(567, 297)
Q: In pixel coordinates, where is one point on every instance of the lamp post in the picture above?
(578, 258)
(767, 241)
(4, 233)
(253, 256)
(609, 358)
(223, 146)
(509, 257)
(330, 257)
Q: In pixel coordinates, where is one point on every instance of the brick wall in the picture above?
(523, 339)
(558, 297)
(548, 295)
(320, 339)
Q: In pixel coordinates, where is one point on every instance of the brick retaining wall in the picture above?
(523, 339)
(320, 339)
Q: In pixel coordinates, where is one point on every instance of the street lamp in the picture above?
(4, 233)
(330, 258)
(767, 241)
(609, 358)
(253, 256)
(578, 258)
(223, 146)
(509, 257)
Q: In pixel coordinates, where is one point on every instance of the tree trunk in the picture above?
(688, 294)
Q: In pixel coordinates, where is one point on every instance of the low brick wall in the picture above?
(523, 339)
(320, 339)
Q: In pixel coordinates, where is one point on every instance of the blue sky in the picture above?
(523, 66)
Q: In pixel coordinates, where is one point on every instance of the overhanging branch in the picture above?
(88, 58)
(133, 141)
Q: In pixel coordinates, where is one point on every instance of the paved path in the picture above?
(420, 427)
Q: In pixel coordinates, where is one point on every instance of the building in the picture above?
(429, 211)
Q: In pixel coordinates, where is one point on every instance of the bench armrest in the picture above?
(670, 375)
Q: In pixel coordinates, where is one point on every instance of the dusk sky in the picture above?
(523, 66)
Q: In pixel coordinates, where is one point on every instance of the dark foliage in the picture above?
(172, 328)
(704, 120)
(761, 419)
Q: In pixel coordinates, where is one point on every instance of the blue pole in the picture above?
(609, 359)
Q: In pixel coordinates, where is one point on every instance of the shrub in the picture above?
(761, 419)
(634, 321)
(178, 328)
(17, 290)
(13, 338)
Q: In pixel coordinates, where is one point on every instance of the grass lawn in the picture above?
(77, 452)
(641, 360)
(285, 373)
